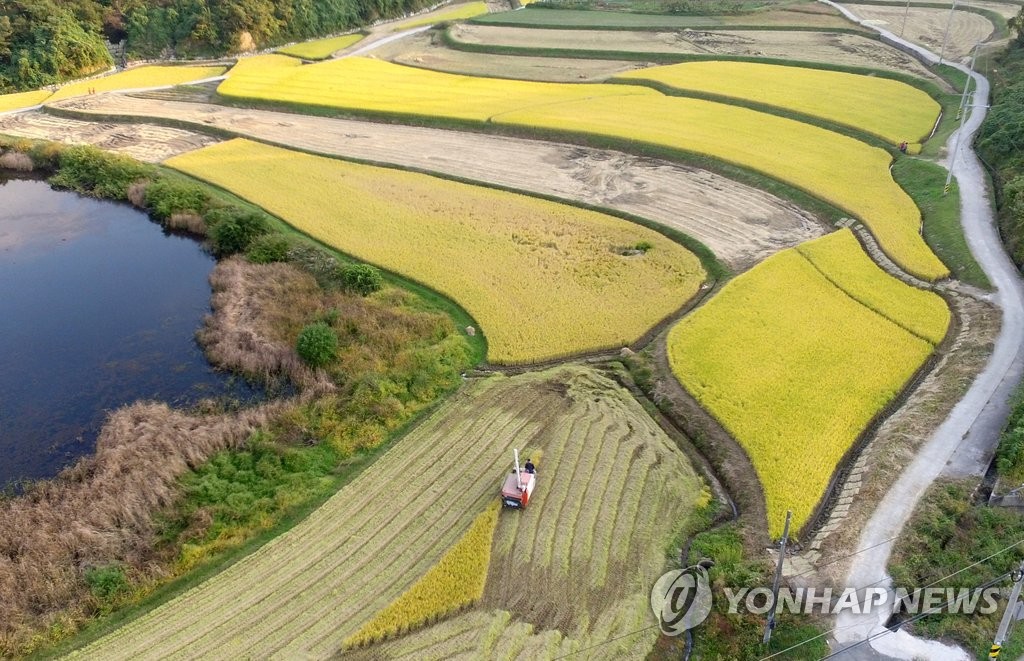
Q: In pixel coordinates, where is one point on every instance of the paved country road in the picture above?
(965, 441)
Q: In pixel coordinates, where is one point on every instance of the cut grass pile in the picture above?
(544, 280)
(141, 77)
(321, 49)
(795, 368)
(889, 109)
(843, 171)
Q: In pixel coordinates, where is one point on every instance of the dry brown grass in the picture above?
(189, 222)
(257, 310)
(137, 194)
(100, 512)
(14, 160)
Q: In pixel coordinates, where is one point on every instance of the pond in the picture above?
(98, 308)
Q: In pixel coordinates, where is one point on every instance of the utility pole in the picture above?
(905, 15)
(770, 624)
(960, 131)
(967, 85)
(1012, 613)
(945, 36)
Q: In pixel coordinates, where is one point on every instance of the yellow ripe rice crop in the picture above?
(364, 84)
(456, 581)
(847, 173)
(141, 77)
(544, 280)
(794, 369)
(22, 100)
(263, 65)
(890, 109)
(839, 257)
(454, 13)
(320, 49)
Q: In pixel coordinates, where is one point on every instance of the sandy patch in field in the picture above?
(422, 50)
(741, 224)
(825, 47)
(145, 142)
(927, 26)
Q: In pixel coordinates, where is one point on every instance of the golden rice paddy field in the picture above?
(320, 49)
(613, 490)
(544, 280)
(140, 77)
(454, 13)
(795, 367)
(21, 100)
(887, 108)
(800, 154)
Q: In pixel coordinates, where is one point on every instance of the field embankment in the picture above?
(544, 280)
(304, 592)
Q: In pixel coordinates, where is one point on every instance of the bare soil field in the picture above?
(424, 50)
(825, 47)
(741, 224)
(926, 26)
(612, 492)
(1004, 9)
(145, 142)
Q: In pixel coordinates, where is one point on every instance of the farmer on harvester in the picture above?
(529, 467)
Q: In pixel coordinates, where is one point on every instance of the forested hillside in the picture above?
(48, 41)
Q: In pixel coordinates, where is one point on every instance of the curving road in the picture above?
(965, 441)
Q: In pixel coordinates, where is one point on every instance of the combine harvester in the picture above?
(518, 486)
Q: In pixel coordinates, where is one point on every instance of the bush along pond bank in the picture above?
(171, 496)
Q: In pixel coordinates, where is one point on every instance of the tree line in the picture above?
(43, 42)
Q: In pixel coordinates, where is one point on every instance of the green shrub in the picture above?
(165, 197)
(317, 344)
(90, 171)
(362, 279)
(106, 583)
(269, 248)
(232, 229)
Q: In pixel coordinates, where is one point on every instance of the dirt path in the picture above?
(146, 142)
(304, 592)
(825, 47)
(967, 438)
(741, 224)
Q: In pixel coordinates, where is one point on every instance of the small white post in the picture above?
(519, 477)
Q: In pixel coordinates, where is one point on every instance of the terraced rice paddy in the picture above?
(10, 102)
(138, 78)
(887, 108)
(145, 142)
(822, 47)
(320, 49)
(797, 153)
(795, 367)
(304, 592)
(544, 280)
(739, 223)
(927, 26)
(453, 13)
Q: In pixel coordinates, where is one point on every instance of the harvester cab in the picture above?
(518, 485)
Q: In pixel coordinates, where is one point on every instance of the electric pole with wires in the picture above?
(1012, 613)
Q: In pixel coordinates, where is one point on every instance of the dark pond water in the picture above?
(98, 308)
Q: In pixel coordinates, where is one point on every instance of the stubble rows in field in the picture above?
(304, 592)
(927, 26)
(146, 142)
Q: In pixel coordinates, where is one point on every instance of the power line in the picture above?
(610, 640)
